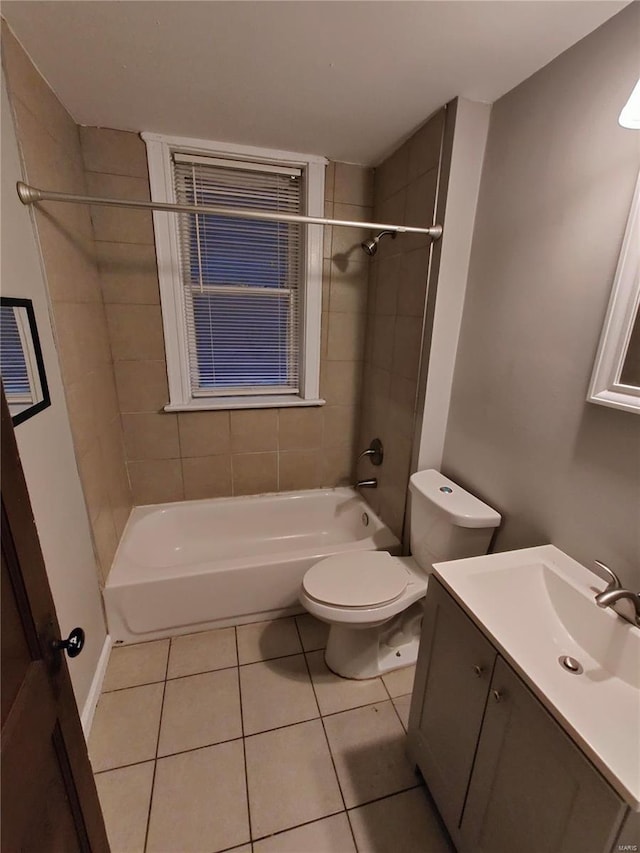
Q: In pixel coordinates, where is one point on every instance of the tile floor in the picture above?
(241, 739)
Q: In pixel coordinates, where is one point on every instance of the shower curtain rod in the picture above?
(31, 195)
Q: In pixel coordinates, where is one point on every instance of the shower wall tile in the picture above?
(156, 481)
(50, 145)
(204, 433)
(405, 192)
(260, 446)
(207, 477)
(113, 152)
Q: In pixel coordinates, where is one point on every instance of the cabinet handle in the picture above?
(478, 670)
(497, 696)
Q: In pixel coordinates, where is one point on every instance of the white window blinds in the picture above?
(242, 278)
(16, 373)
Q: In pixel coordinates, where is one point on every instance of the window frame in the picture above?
(160, 149)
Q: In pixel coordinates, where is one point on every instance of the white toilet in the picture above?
(372, 601)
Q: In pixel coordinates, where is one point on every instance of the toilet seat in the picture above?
(368, 579)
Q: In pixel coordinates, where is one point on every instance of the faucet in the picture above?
(614, 592)
(367, 484)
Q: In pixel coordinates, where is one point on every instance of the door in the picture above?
(49, 800)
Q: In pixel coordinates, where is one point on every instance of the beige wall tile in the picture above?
(95, 490)
(151, 436)
(349, 288)
(82, 339)
(117, 152)
(156, 481)
(204, 433)
(118, 225)
(128, 273)
(69, 263)
(421, 201)
(353, 184)
(338, 464)
(327, 231)
(406, 346)
(388, 281)
(326, 283)
(412, 291)
(392, 175)
(345, 241)
(299, 469)
(340, 424)
(105, 540)
(329, 180)
(345, 340)
(383, 337)
(341, 382)
(79, 396)
(254, 430)
(207, 477)
(254, 473)
(300, 429)
(141, 385)
(135, 332)
(26, 83)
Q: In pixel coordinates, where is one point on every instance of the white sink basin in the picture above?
(537, 605)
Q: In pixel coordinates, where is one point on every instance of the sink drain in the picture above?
(570, 664)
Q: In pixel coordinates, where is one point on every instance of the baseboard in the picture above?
(96, 687)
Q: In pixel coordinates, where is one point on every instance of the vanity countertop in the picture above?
(537, 605)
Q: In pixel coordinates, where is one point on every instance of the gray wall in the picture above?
(556, 190)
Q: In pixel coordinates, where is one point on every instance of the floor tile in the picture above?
(405, 822)
(125, 727)
(200, 710)
(291, 778)
(203, 652)
(399, 682)
(338, 694)
(265, 640)
(368, 747)
(276, 693)
(402, 705)
(124, 798)
(331, 835)
(313, 632)
(199, 801)
(142, 663)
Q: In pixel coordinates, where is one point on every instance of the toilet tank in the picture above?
(447, 522)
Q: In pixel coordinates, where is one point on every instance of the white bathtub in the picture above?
(196, 565)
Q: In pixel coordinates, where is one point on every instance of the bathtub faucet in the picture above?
(367, 484)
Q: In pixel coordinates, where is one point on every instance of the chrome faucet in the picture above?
(615, 592)
(367, 484)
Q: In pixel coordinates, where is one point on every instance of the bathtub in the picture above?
(196, 565)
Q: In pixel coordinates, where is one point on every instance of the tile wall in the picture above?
(194, 455)
(50, 148)
(405, 193)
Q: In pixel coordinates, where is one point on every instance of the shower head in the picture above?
(371, 246)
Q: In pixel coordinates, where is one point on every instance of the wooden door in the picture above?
(531, 789)
(49, 800)
(450, 692)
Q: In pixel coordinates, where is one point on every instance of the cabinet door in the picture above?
(453, 674)
(531, 789)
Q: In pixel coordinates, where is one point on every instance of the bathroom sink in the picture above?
(537, 606)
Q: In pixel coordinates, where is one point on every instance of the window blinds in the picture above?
(241, 278)
(15, 370)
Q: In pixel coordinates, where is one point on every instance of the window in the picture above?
(21, 363)
(241, 298)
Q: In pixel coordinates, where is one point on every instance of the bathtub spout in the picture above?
(367, 484)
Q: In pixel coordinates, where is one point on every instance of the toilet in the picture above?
(373, 601)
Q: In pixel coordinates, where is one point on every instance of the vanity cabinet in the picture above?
(503, 773)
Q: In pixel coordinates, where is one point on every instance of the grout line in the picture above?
(155, 763)
(244, 745)
(326, 737)
(418, 785)
(299, 825)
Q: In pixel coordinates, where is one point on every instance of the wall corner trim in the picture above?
(86, 717)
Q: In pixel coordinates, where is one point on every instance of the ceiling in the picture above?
(348, 80)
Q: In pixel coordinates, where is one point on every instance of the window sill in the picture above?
(212, 404)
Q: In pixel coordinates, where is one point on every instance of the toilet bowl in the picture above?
(373, 601)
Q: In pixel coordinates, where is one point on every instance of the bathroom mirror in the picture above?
(21, 364)
(615, 381)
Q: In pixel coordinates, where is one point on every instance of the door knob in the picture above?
(73, 645)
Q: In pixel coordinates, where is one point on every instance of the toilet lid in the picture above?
(366, 579)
